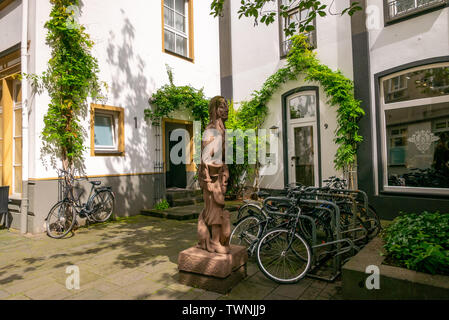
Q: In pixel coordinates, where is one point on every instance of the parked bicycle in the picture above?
(63, 216)
(333, 223)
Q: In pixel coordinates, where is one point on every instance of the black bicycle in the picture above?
(63, 216)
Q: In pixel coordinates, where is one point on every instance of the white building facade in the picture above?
(396, 52)
(134, 41)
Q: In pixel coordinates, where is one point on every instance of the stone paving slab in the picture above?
(133, 258)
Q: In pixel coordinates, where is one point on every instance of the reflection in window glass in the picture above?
(303, 106)
(104, 131)
(304, 156)
(169, 40)
(417, 146)
(175, 16)
(420, 84)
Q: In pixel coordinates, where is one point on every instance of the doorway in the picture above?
(177, 147)
(303, 153)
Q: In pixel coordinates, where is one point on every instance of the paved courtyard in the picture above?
(132, 258)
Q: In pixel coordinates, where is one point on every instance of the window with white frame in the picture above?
(176, 27)
(415, 130)
(107, 130)
(294, 16)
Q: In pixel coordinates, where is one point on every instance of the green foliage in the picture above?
(239, 172)
(70, 79)
(339, 90)
(252, 114)
(170, 98)
(257, 10)
(419, 242)
(162, 205)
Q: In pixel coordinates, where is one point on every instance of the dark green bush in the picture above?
(419, 242)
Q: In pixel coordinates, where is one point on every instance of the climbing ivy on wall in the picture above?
(71, 77)
(252, 114)
(170, 98)
(338, 88)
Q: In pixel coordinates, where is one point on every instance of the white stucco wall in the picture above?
(128, 45)
(256, 56)
(10, 25)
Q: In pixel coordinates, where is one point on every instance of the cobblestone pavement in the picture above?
(133, 258)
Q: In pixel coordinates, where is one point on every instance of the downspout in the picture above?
(25, 131)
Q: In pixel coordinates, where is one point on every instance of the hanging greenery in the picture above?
(252, 114)
(70, 79)
(170, 98)
(339, 91)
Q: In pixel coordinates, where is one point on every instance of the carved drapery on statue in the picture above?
(214, 225)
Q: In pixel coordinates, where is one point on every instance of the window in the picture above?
(107, 130)
(178, 27)
(294, 15)
(396, 9)
(415, 130)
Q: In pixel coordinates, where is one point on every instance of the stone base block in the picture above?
(209, 283)
(195, 260)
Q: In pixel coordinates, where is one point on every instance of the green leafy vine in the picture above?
(170, 98)
(338, 88)
(252, 113)
(70, 79)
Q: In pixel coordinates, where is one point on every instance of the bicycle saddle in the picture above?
(95, 183)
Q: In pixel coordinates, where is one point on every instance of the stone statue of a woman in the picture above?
(214, 226)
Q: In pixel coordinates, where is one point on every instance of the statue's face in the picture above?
(222, 110)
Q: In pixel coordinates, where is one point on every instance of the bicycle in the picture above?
(63, 216)
(283, 255)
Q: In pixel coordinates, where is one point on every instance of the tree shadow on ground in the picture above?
(131, 243)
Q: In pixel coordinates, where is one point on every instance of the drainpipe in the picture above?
(25, 131)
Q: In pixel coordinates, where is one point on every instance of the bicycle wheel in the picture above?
(60, 220)
(246, 232)
(102, 205)
(250, 209)
(283, 257)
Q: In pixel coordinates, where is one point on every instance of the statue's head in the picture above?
(218, 109)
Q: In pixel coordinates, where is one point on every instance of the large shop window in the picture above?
(294, 16)
(415, 135)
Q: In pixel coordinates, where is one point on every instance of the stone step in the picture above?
(176, 194)
(188, 212)
(185, 202)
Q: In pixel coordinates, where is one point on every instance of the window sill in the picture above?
(415, 13)
(414, 191)
(109, 154)
(178, 55)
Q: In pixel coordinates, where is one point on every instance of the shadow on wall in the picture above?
(131, 86)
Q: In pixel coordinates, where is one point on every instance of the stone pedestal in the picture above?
(212, 271)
